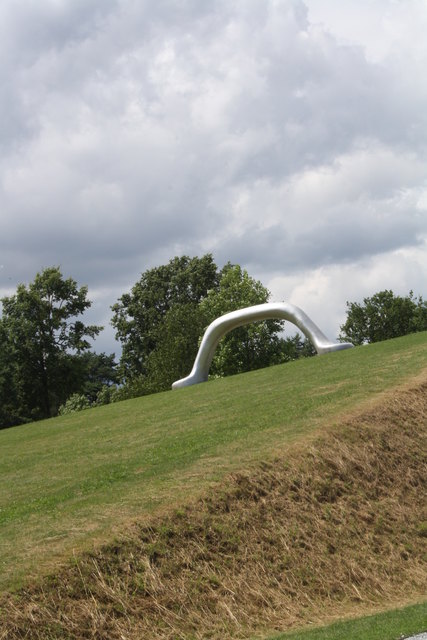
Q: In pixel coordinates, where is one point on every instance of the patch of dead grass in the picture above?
(334, 527)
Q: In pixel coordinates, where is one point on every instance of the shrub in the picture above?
(76, 402)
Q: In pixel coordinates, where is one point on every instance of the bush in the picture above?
(76, 402)
(105, 394)
(134, 388)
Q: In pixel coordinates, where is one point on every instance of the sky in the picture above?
(288, 136)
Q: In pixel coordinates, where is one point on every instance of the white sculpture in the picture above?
(272, 310)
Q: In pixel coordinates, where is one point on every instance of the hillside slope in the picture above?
(286, 495)
(335, 527)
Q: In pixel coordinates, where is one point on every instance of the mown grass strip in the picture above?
(74, 480)
(391, 625)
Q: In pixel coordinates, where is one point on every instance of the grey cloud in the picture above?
(31, 28)
(346, 239)
(129, 129)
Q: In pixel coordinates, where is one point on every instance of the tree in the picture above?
(177, 345)
(43, 338)
(139, 315)
(9, 406)
(161, 321)
(296, 347)
(384, 316)
(97, 370)
(248, 347)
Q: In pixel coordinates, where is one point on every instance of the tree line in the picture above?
(47, 365)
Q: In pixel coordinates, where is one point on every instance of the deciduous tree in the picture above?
(10, 413)
(43, 337)
(161, 321)
(97, 370)
(248, 347)
(139, 315)
(384, 316)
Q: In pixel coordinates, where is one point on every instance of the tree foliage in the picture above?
(10, 411)
(295, 347)
(45, 362)
(384, 316)
(138, 316)
(177, 344)
(161, 321)
(76, 402)
(248, 347)
(97, 370)
(43, 338)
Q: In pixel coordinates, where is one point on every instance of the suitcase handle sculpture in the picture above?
(271, 310)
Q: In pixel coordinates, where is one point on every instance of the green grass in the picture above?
(72, 481)
(391, 625)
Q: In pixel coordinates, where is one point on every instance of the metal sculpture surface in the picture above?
(272, 310)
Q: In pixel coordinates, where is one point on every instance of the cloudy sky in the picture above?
(289, 136)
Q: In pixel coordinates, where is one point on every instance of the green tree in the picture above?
(384, 316)
(295, 347)
(177, 345)
(9, 406)
(139, 315)
(97, 370)
(44, 337)
(161, 321)
(248, 347)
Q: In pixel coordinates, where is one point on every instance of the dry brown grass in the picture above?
(333, 527)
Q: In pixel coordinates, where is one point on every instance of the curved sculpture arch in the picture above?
(271, 310)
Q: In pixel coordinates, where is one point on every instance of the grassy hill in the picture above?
(305, 473)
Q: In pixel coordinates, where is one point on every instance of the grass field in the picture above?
(390, 625)
(71, 483)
